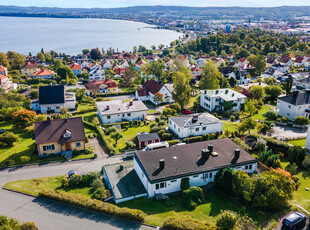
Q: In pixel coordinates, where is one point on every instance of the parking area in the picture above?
(284, 132)
(279, 225)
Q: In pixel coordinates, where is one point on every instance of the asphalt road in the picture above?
(51, 215)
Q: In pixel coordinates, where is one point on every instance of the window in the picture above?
(250, 167)
(123, 115)
(49, 108)
(197, 129)
(157, 186)
(108, 117)
(210, 175)
(289, 106)
(57, 107)
(204, 128)
(246, 167)
(78, 144)
(162, 184)
(128, 114)
(195, 176)
(48, 147)
(173, 181)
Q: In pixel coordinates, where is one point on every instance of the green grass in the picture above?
(231, 126)
(300, 142)
(151, 111)
(46, 183)
(301, 196)
(206, 212)
(259, 115)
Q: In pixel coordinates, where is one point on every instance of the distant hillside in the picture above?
(144, 12)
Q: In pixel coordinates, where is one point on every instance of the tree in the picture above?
(116, 136)
(158, 98)
(28, 226)
(58, 64)
(227, 220)
(41, 56)
(23, 118)
(8, 139)
(273, 91)
(282, 47)
(95, 54)
(261, 145)
(9, 223)
(247, 124)
(34, 94)
(296, 154)
(65, 73)
(271, 115)
(257, 92)
(181, 89)
(15, 59)
(259, 62)
(161, 46)
(210, 76)
(37, 183)
(129, 77)
(156, 68)
(249, 107)
(85, 51)
(223, 180)
(3, 60)
(288, 85)
(233, 81)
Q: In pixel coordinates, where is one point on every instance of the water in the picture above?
(70, 36)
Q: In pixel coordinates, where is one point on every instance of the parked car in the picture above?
(71, 173)
(179, 144)
(186, 111)
(158, 145)
(296, 220)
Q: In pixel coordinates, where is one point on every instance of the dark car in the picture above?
(186, 111)
(296, 220)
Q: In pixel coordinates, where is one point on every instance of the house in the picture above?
(162, 170)
(215, 100)
(3, 70)
(43, 73)
(293, 105)
(101, 86)
(118, 111)
(151, 89)
(286, 61)
(6, 84)
(29, 68)
(95, 66)
(242, 61)
(307, 145)
(123, 64)
(196, 125)
(271, 60)
(196, 71)
(85, 65)
(96, 74)
(52, 98)
(299, 61)
(106, 64)
(76, 68)
(144, 139)
(59, 136)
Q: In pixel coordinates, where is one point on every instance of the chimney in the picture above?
(51, 84)
(130, 103)
(210, 148)
(237, 153)
(48, 117)
(205, 153)
(162, 163)
(107, 108)
(195, 117)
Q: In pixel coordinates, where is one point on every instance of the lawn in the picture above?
(207, 212)
(228, 125)
(48, 183)
(302, 196)
(259, 115)
(300, 142)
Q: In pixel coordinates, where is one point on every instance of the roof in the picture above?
(147, 136)
(152, 86)
(299, 59)
(285, 59)
(29, 65)
(187, 121)
(185, 160)
(118, 106)
(44, 72)
(2, 77)
(299, 99)
(53, 130)
(97, 71)
(226, 94)
(96, 83)
(52, 94)
(75, 66)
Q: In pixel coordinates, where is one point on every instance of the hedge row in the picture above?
(174, 223)
(95, 205)
(276, 145)
(116, 94)
(192, 139)
(102, 136)
(82, 111)
(122, 124)
(173, 142)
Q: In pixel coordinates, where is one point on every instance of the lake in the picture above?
(70, 36)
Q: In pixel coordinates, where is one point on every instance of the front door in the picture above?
(67, 147)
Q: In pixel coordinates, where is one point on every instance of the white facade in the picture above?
(167, 96)
(114, 118)
(290, 111)
(308, 139)
(96, 74)
(174, 185)
(213, 100)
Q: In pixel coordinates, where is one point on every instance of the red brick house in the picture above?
(145, 139)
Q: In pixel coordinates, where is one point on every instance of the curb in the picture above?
(22, 193)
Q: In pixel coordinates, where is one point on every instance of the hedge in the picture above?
(192, 139)
(173, 142)
(102, 136)
(94, 205)
(82, 111)
(116, 94)
(276, 145)
(122, 124)
(175, 223)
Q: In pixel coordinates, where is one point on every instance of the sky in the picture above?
(123, 3)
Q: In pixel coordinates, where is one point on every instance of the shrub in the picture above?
(100, 194)
(205, 137)
(95, 205)
(173, 142)
(155, 129)
(153, 125)
(161, 132)
(270, 159)
(9, 162)
(75, 180)
(301, 120)
(64, 182)
(275, 145)
(24, 159)
(8, 139)
(223, 180)
(88, 179)
(97, 183)
(306, 163)
(166, 137)
(185, 183)
(176, 107)
(241, 143)
(192, 139)
(232, 118)
(111, 129)
(192, 197)
(261, 145)
(161, 123)
(28, 226)
(176, 223)
(297, 154)
(227, 220)
(271, 115)
(130, 145)
(157, 119)
(292, 168)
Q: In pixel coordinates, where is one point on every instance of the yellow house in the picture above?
(59, 136)
(28, 69)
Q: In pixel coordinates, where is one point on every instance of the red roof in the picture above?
(149, 86)
(242, 60)
(299, 59)
(2, 68)
(30, 65)
(107, 82)
(43, 72)
(285, 59)
(2, 77)
(75, 66)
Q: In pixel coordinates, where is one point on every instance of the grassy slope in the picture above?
(301, 142)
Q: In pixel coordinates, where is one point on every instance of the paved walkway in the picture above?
(98, 147)
(288, 132)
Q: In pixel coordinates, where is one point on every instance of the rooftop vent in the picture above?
(174, 158)
(162, 163)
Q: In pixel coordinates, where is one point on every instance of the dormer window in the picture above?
(67, 134)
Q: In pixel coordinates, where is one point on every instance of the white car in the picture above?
(158, 145)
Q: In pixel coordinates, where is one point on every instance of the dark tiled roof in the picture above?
(52, 94)
(299, 99)
(185, 160)
(147, 136)
(53, 130)
(152, 86)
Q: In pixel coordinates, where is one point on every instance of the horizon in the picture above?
(126, 3)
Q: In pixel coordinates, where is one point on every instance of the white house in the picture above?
(162, 170)
(52, 98)
(123, 64)
(196, 125)
(96, 74)
(214, 100)
(84, 65)
(76, 68)
(6, 84)
(95, 66)
(293, 105)
(308, 139)
(118, 111)
(151, 88)
(106, 64)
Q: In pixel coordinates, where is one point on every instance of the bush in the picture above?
(270, 159)
(100, 194)
(306, 162)
(232, 118)
(97, 183)
(166, 137)
(205, 137)
(223, 180)
(9, 162)
(192, 197)
(75, 180)
(261, 145)
(28, 226)
(64, 182)
(24, 159)
(301, 120)
(155, 129)
(95, 205)
(111, 129)
(175, 223)
(297, 154)
(271, 115)
(161, 132)
(275, 145)
(227, 220)
(241, 143)
(192, 139)
(185, 183)
(157, 119)
(292, 168)
(130, 145)
(8, 139)
(176, 107)
(173, 142)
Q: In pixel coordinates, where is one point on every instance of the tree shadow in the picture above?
(69, 210)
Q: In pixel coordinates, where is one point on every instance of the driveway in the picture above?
(283, 132)
(279, 225)
(98, 147)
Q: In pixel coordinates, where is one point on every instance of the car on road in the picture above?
(186, 111)
(296, 220)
